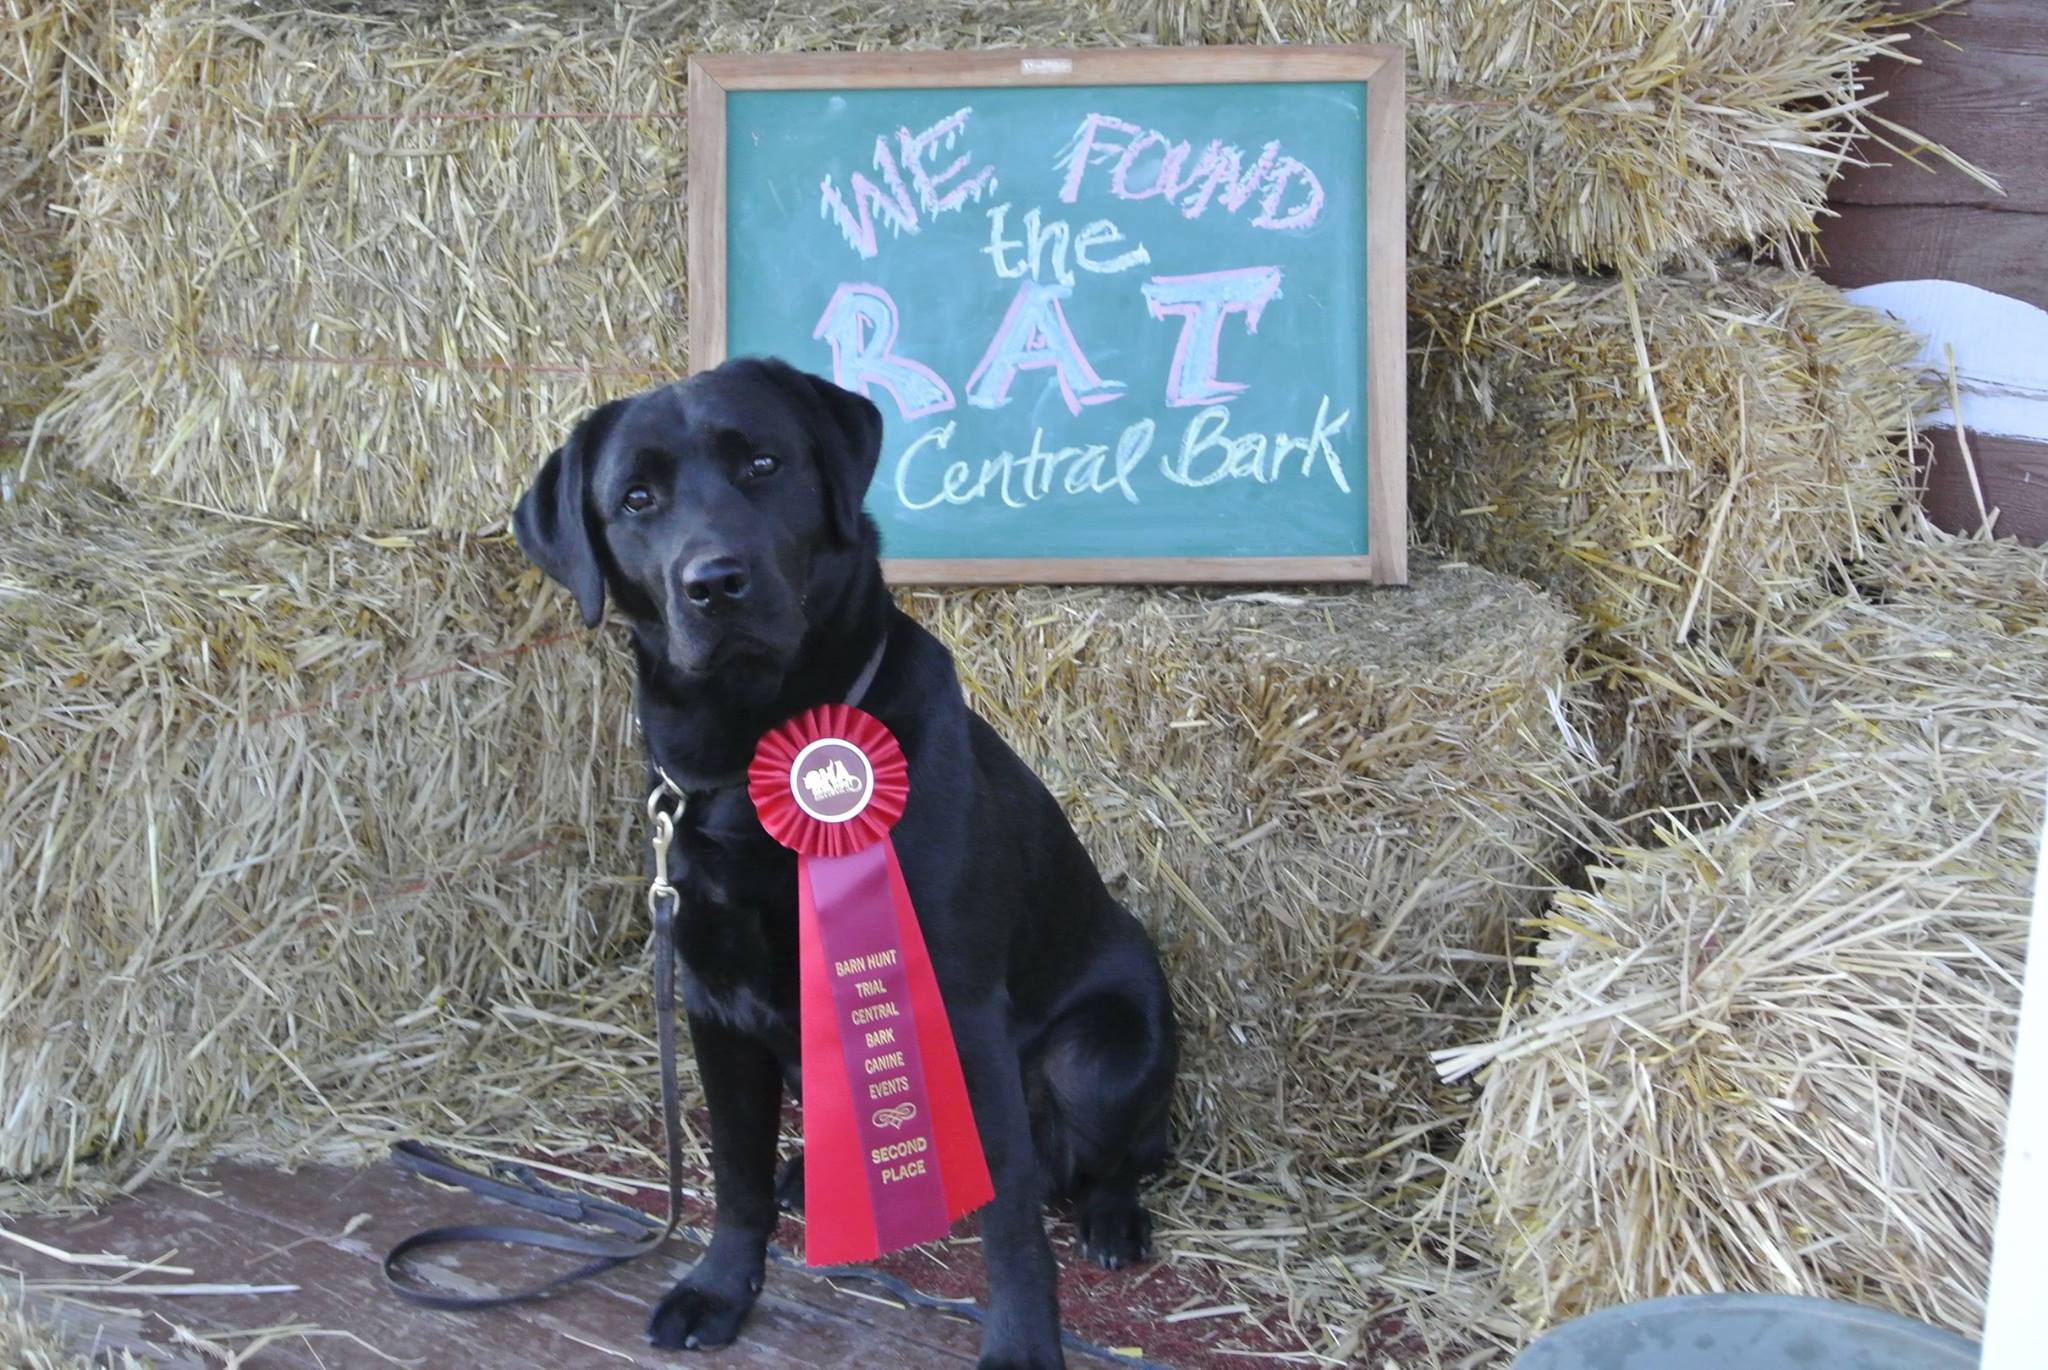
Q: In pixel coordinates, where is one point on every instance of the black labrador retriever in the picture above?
(723, 516)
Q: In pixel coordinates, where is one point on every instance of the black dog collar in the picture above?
(692, 784)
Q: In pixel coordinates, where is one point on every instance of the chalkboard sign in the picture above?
(1127, 315)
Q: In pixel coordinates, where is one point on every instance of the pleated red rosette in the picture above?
(772, 781)
(891, 1152)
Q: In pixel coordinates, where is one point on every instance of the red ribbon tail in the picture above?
(892, 1154)
(962, 1167)
(839, 1220)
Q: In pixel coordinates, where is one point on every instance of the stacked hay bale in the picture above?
(1330, 809)
(1765, 1052)
(295, 206)
(361, 269)
(56, 74)
(352, 276)
(1681, 459)
(263, 796)
(1606, 395)
(1604, 134)
(307, 235)
(358, 270)
(1698, 454)
(1914, 564)
(1774, 1054)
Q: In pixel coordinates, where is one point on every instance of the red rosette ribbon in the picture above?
(891, 1152)
(775, 784)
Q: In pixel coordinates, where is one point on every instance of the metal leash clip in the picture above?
(659, 889)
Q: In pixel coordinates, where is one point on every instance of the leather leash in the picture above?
(634, 1239)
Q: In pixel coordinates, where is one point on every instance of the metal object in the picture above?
(1746, 1332)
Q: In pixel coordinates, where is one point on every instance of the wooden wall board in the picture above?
(1990, 248)
(1976, 88)
(2012, 472)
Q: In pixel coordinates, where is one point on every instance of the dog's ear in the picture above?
(550, 522)
(849, 465)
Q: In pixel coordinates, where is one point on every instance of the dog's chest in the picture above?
(737, 929)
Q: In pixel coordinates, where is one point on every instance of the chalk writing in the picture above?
(860, 325)
(1022, 481)
(1208, 454)
(1201, 301)
(1101, 233)
(1033, 336)
(891, 202)
(1099, 322)
(1218, 176)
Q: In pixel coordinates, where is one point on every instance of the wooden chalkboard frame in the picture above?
(1379, 68)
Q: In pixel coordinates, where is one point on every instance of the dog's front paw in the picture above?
(1115, 1235)
(691, 1318)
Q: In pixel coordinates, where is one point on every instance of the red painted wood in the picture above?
(2007, 253)
(2014, 476)
(1980, 90)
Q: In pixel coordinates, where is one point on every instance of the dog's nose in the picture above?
(714, 582)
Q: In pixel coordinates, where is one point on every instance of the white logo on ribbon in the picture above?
(894, 1117)
(830, 780)
(816, 782)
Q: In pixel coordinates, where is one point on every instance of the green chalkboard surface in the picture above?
(1117, 328)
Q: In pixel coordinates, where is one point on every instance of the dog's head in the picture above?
(720, 512)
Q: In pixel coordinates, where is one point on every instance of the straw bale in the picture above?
(1329, 807)
(262, 795)
(359, 269)
(1773, 1054)
(1704, 719)
(1767, 438)
(1630, 134)
(1682, 460)
(1915, 563)
(55, 80)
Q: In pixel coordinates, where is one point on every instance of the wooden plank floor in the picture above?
(325, 1230)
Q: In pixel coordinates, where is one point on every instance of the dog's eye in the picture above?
(639, 498)
(763, 465)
